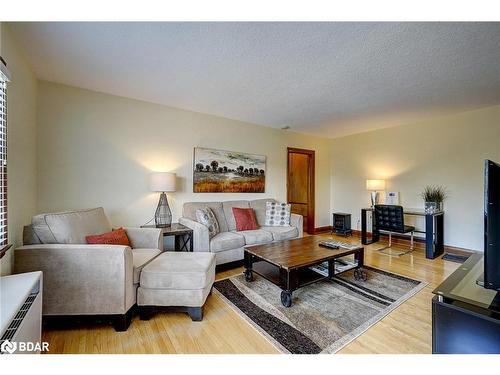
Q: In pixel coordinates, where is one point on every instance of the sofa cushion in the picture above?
(282, 233)
(245, 219)
(228, 212)
(141, 257)
(226, 241)
(189, 211)
(207, 217)
(259, 206)
(179, 271)
(254, 237)
(70, 227)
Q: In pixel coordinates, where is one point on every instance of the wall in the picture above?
(96, 149)
(21, 109)
(448, 151)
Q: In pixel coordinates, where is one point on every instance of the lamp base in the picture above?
(374, 197)
(163, 215)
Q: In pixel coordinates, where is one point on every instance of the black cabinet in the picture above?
(465, 316)
(459, 329)
(342, 223)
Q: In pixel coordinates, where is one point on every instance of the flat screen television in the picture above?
(491, 225)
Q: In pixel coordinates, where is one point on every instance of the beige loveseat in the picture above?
(228, 245)
(81, 279)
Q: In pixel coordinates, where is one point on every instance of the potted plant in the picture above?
(433, 196)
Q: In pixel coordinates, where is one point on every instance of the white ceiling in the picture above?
(328, 79)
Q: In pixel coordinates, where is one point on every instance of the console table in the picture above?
(466, 316)
(434, 230)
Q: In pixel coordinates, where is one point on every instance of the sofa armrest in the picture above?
(201, 239)
(81, 279)
(297, 221)
(149, 238)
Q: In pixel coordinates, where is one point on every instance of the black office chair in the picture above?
(390, 218)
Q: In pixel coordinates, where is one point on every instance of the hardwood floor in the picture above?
(405, 330)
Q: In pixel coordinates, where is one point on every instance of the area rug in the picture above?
(325, 316)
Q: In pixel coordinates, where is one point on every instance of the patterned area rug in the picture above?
(325, 316)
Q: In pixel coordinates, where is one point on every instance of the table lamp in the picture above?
(375, 186)
(163, 182)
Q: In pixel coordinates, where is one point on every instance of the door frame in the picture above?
(312, 174)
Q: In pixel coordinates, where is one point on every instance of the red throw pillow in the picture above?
(115, 237)
(245, 219)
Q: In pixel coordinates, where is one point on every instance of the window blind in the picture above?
(3, 159)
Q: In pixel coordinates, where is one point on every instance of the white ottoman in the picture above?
(181, 281)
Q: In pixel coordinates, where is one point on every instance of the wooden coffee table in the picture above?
(287, 263)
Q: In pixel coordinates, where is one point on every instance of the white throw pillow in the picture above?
(207, 217)
(277, 214)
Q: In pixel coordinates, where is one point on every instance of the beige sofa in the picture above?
(81, 279)
(229, 244)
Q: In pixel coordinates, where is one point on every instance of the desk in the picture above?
(434, 227)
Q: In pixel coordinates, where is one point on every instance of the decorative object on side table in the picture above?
(375, 186)
(219, 171)
(433, 196)
(163, 182)
(342, 223)
(183, 236)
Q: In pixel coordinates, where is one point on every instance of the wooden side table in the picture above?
(183, 236)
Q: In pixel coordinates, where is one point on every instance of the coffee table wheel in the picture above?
(286, 298)
(359, 274)
(248, 275)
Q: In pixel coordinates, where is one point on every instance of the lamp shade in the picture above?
(375, 185)
(162, 181)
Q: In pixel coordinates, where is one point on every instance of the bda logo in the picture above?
(8, 347)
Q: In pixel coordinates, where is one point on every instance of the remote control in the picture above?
(330, 245)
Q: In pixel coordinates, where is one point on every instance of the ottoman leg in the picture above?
(196, 313)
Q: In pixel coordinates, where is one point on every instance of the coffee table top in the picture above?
(300, 252)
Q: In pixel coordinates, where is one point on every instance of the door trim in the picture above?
(312, 174)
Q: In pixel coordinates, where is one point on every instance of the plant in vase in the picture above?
(434, 196)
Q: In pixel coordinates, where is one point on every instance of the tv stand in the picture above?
(466, 316)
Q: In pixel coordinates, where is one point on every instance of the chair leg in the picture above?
(146, 312)
(122, 322)
(381, 250)
(195, 313)
(390, 245)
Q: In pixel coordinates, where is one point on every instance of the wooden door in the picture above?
(300, 185)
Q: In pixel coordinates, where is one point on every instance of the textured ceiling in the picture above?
(328, 79)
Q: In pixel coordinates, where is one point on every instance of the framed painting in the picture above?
(220, 171)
